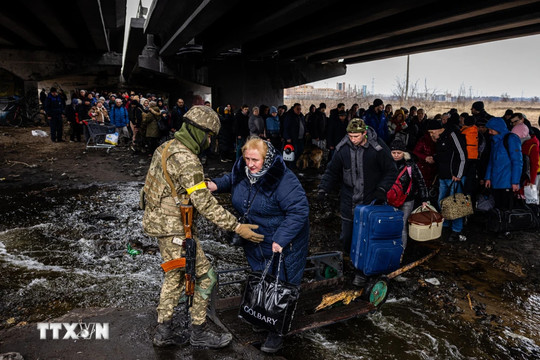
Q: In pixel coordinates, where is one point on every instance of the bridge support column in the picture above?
(236, 81)
(239, 82)
(31, 95)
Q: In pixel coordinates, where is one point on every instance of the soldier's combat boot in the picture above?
(166, 336)
(201, 335)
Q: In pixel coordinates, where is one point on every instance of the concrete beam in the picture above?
(93, 19)
(431, 22)
(135, 44)
(32, 65)
(468, 30)
(202, 17)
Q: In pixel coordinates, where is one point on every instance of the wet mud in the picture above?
(63, 246)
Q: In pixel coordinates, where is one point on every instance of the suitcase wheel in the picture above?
(376, 290)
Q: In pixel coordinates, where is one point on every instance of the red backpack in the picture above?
(396, 196)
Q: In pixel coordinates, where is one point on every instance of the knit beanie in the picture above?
(521, 130)
(398, 144)
(434, 125)
(478, 105)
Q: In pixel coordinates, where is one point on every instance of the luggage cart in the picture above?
(96, 133)
(326, 297)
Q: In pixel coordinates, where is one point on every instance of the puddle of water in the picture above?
(65, 249)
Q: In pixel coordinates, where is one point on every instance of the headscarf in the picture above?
(268, 161)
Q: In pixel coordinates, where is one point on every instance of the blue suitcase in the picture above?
(376, 246)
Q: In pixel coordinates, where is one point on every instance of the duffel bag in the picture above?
(502, 220)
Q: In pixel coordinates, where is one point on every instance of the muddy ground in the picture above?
(484, 282)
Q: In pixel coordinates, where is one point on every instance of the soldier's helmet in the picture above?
(204, 118)
(356, 125)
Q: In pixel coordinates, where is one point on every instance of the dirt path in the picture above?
(28, 160)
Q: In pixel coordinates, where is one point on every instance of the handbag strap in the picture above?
(267, 267)
(409, 171)
(454, 185)
(250, 203)
(270, 263)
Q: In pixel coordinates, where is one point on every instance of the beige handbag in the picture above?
(457, 205)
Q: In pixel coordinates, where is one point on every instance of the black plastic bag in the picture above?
(268, 302)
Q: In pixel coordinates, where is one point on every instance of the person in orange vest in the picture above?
(472, 135)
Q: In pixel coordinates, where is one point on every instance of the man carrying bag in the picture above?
(450, 157)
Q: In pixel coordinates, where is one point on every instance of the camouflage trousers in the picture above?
(173, 285)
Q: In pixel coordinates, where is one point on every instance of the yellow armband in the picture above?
(201, 185)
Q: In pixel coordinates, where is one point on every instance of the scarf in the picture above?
(268, 161)
(192, 138)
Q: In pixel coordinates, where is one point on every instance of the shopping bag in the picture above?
(485, 202)
(531, 194)
(457, 205)
(268, 302)
(112, 139)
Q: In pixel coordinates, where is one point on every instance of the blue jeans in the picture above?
(444, 191)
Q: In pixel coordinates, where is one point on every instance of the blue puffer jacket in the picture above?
(281, 210)
(378, 122)
(119, 116)
(502, 160)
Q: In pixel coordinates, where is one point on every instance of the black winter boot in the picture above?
(166, 336)
(273, 343)
(360, 279)
(201, 335)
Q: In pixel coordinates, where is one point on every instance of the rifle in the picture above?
(190, 248)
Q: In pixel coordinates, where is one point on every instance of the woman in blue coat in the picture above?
(279, 206)
(503, 171)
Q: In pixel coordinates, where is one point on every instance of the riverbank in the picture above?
(68, 213)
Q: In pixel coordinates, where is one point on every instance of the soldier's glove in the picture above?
(246, 231)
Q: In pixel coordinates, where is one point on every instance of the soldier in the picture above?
(162, 220)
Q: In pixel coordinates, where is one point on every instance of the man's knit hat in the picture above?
(357, 126)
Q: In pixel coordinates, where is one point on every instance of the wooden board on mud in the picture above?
(305, 317)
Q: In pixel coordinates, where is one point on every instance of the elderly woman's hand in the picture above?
(211, 186)
(276, 247)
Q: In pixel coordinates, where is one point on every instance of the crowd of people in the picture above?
(368, 151)
(453, 151)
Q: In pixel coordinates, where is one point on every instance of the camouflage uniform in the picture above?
(162, 220)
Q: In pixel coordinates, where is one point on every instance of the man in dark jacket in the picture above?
(479, 113)
(177, 114)
(317, 127)
(376, 119)
(241, 128)
(364, 166)
(54, 107)
(450, 156)
(294, 130)
(337, 129)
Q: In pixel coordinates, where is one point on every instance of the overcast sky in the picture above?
(501, 67)
(494, 68)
